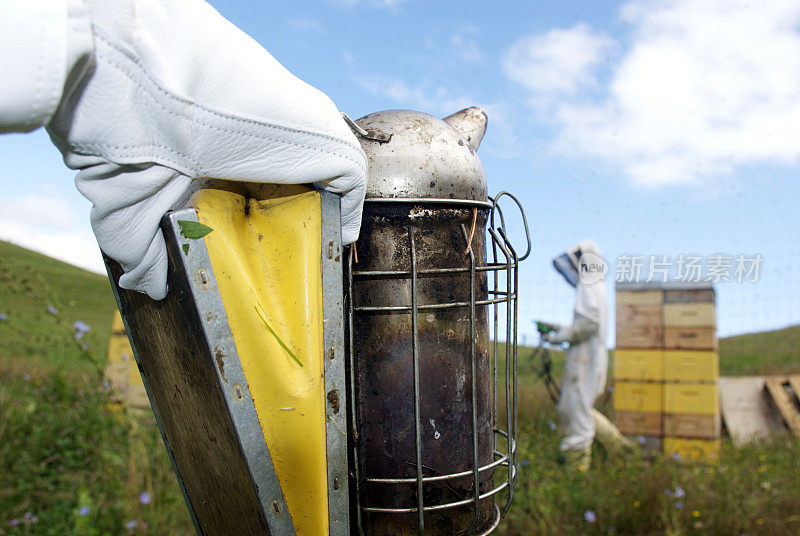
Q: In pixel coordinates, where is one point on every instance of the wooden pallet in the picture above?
(783, 392)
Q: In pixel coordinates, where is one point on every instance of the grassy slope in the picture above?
(60, 448)
(769, 352)
(33, 338)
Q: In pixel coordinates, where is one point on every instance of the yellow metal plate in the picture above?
(677, 315)
(638, 396)
(692, 398)
(266, 256)
(642, 365)
(691, 366)
(692, 449)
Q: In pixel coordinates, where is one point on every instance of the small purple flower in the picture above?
(679, 493)
(610, 388)
(642, 440)
(26, 377)
(145, 498)
(81, 329)
(551, 425)
(14, 522)
(668, 492)
(28, 515)
(676, 456)
(52, 310)
(34, 519)
(525, 463)
(589, 516)
(3, 316)
(84, 511)
(678, 504)
(130, 525)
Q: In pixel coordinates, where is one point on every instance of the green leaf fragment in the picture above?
(185, 248)
(193, 229)
(283, 345)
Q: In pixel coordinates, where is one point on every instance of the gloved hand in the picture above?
(557, 336)
(159, 92)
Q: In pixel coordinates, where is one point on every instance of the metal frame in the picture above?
(496, 298)
(334, 366)
(240, 404)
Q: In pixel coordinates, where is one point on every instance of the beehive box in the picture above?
(689, 295)
(691, 398)
(639, 326)
(693, 426)
(638, 397)
(635, 423)
(690, 366)
(690, 315)
(639, 365)
(692, 449)
(690, 338)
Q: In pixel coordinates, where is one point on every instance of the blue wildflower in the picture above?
(3, 316)
(589, 516)
(642, 440)
(145, 498)
(52, 310)
(525, 463)
(678, 504)
(679, 492)
(14, 522)
(130, 525)
(551, 425)
(84, 511)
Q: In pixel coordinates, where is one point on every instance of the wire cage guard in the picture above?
(426, 368)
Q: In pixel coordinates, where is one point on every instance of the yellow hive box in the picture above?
(684, 315)
(692, 449)
(691, 398)
(638, 396)
(641, 365)
(691, 366)
(639, 297)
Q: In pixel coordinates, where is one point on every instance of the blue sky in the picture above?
(655, 128)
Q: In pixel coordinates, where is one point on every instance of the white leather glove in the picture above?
(156, 93)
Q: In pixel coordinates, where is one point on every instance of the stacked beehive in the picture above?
(666, 367)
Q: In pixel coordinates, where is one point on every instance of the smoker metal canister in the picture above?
(426, 186)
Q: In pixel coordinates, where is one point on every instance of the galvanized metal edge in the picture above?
(334, 358)
(234, 386)
(153, 406)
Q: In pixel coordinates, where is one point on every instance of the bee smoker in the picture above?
(432, 330)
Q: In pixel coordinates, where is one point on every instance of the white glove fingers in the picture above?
(149, 275)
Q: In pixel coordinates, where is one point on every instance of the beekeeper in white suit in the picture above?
(143, 96)
(587, 356)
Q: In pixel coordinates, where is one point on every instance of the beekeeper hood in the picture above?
(582, 263)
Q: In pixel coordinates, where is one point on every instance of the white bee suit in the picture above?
(587, 356)
(143, 96)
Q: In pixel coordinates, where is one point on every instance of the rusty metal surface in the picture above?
(383, 371)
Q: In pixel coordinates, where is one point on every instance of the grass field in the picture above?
(71, 464)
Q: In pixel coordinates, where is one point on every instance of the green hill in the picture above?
(767, 352)
(41, 299)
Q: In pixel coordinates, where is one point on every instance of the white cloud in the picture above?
(46, 223)
(422, 96)
(559, 61)
(464, 44)
(704, 87)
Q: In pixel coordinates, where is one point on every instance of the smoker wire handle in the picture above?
(496, 206)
